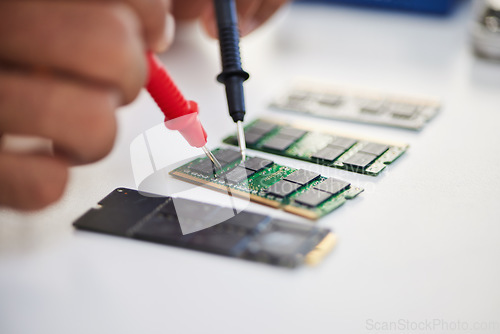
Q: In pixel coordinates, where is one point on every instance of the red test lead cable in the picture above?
(180, 114)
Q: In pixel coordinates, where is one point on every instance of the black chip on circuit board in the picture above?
(205, 168)
(283, 188)
(374, 148)
(291, 133)
(328, 153)
(360, 160)
(312, 197)
(263, 127)
(302, 176)
(227, 156)
(252, 138)
(256, 164)
(279, 143)
(332, 186)
(342, 142)
(238, 175)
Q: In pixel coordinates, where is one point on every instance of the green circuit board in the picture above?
(327, 148)
(298, 191)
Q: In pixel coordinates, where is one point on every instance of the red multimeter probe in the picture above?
(180, 114)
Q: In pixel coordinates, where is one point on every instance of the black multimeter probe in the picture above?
(232, 75)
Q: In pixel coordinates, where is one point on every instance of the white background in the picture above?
(421, 243)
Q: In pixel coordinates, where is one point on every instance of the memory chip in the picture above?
(330, 100)
(374, 148)
(332, 186)
(291, 132)
(256, 164)
(360, 160)
(302, 176)
(328, 153)
(402, 110)
(247, 235)
(263, 127)
(227, 156)
(312, 197)
(343, 142)
(371, 106)
(252, 138)
(278, 143)
(283, 188)
(238, 175)
(205, 168)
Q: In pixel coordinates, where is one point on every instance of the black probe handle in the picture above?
(232, 75)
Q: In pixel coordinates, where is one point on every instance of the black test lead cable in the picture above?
(232, 75)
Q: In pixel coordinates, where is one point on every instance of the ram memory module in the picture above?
(297, 191)
(331, 149)
(358, 105)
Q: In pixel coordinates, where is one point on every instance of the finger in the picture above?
(31, 182)
(245, 9)
(79, 118)
(189, 10)
(266, 9)
(96, 41)
(208, 22)
(153, 15)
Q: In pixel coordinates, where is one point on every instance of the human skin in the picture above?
(67, 65)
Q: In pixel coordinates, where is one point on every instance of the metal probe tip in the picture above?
(212, 158)
(241, 140)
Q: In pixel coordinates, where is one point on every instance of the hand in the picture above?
(252, 13)
(65, 66)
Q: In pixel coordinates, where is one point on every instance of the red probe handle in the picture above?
(180, 114)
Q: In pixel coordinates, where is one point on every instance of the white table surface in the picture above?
(419, 247)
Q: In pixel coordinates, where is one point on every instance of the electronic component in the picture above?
(292, 133)
(327, 148)
(238, 174)
(338, 102)
(328, 153)
(332, 186)
(246, 235)
(360, 161)
(302, 176)
(256, 164)
(342, 142)
(274, 185)
(262, 127)
(227, 156)
(205, 167)
(374, 148)
(283, 188)
(279, 143)
(312, 197)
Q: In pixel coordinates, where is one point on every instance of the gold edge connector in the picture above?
(320, 251)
